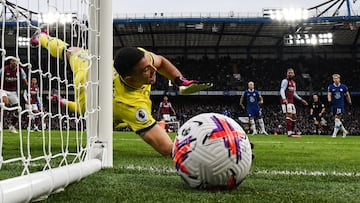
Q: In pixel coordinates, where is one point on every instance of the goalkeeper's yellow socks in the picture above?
(71, 105)
(54, 45)
(64, 102)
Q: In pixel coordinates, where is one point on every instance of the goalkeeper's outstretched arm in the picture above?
(168, 70)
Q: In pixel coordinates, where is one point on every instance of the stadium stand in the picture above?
(241, 50)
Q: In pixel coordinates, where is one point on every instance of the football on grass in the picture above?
(212, 151)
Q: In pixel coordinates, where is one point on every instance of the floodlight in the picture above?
(306, 39)
(23, 42)
(53, 17)
(286, 14)
(313, 41)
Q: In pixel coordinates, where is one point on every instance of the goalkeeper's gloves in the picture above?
(190, 86)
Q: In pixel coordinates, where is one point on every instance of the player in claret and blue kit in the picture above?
(288, 95)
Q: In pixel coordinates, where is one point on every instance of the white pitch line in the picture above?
(128, 139)
(328, 143)
(171, 170)
(307, 173)
(262, 142)
(151, 169)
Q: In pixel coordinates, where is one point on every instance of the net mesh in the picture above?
(62, 138)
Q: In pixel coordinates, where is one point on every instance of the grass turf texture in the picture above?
(307, 169)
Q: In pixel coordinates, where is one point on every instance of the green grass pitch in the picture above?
(307, 169)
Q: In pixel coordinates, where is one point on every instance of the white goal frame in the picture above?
(39, 185)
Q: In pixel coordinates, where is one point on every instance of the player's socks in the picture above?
(54, 45)
(262, 126)
(344, 131)
(336, 127)
(71, 105)
(288, 124)
(253, 126)
(37, 121)
(292, 125)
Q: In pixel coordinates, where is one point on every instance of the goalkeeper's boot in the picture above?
(56, 98)
(34, 41)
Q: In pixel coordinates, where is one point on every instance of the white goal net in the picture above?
(55, 101)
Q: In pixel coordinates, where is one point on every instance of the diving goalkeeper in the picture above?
(136, 70)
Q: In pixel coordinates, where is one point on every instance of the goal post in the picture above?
(70, 145)
(105, 49)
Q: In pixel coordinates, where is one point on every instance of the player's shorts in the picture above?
(288, 108)
(2, 93)
(336, 110)
(166, 117)
(32, 107)
(318, 118)
(254, 113)
(12, 97)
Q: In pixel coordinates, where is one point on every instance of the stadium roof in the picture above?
(260, 36)
(208, 35)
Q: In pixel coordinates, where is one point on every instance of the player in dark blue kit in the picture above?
(337, 92)
(253, 101)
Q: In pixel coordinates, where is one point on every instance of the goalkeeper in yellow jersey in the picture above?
(135, 72)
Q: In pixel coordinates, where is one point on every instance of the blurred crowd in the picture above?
(233, 74)
(189, 106)
(312, 76)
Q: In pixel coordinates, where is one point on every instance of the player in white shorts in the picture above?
(11, 78)
(32, 102)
